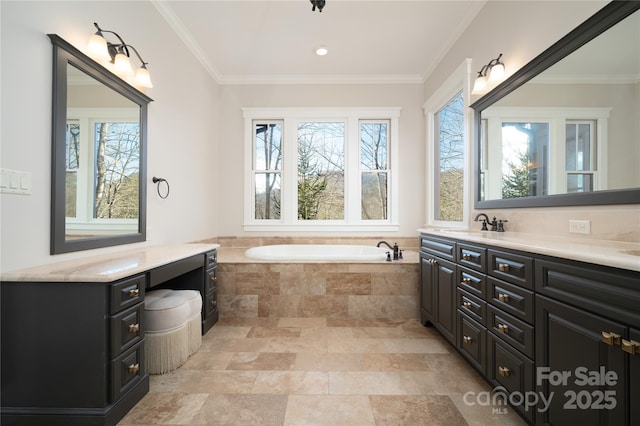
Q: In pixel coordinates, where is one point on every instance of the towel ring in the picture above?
(158, 181)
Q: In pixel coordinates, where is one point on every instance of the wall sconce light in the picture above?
(491, 73)
(117, 54)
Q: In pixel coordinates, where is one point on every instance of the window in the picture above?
(321, 168)
(448, 146)
(544, 151)
(449, 154)
(103, 154)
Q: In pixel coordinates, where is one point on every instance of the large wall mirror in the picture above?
(565, 129)
(98, 192)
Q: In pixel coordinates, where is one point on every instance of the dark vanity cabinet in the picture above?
(437, 290)
(523, 320)
(72, 352)
(210, 293)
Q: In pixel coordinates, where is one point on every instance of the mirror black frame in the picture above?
(601, 21)
(64, 53)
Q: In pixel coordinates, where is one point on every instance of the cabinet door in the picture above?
(634, 379)
(569, 342)
(445, 296)
(427, 289)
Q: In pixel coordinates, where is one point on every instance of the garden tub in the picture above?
(317, 252)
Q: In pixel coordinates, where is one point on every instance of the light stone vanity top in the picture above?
(617, 254)
(109, 267)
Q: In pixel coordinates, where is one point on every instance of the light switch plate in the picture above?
(15, 182)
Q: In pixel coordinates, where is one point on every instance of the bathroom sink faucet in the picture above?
(395, 248)
(496, 225)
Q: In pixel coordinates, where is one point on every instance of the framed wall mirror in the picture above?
(99, 122)
(563, 130)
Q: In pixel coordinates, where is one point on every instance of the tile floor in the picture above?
(317, 371)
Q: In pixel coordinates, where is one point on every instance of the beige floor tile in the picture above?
(295, 345)
(394, 362)
(165, 409)
(417, 346)
(207, 361)
(365, 383)
(302, 322)
(273, 332)
(432, 410)
(485, 415)
(310, 361)
(347, 345)
(442, 383)
(245, 410)
(262, 361)
(223, 332)
(292, 382)
(328, 410)
(233, 382)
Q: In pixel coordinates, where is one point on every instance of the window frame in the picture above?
(460, 80)
(352, 216)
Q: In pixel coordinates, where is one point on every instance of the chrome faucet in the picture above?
(395, 248)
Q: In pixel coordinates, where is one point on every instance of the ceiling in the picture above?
(273, 41)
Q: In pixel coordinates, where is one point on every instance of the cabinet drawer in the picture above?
(611, 293)
(127, 370)
(511, 267)
(211, 279)
(438, 246)
(211, 259)
(512, 299)
(515, 332)
(472, 306)
(211, 303)
(127, 329)
(472, 256)
(472, 341)
(127, 293)
(510, 369)
(472, 281)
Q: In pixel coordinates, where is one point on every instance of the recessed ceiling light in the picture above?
(322, 50)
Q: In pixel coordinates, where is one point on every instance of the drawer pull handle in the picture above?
(466, 304)
(466, 280)
(631, 346)
(504, 371)
(466, 256)
(503, 297)
(214, 303)
(610, 338)
(503, 328)
(133, 368)
(466, 339)
(134, 328)
(503, 267)
(134, 293)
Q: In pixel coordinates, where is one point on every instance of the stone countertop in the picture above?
(617, 254)
(108, 267)
(236, 255)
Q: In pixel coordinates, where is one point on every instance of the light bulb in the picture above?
(322, 50)
(97, 48)
(122, 65)
(143, 77)
(479, 85)
(497, 73)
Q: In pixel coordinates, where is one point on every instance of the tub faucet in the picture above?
(395, 248)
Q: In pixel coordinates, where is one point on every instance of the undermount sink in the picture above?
(631, 252)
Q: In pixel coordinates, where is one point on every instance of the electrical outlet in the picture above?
(580, 226)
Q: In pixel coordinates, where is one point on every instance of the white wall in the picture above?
(412, 142)
(521, 30)
(182, 123)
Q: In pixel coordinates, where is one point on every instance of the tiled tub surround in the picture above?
(337, 289)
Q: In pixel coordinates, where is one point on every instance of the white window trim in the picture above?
(288, 180)
(557, 118)
(460, 80)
